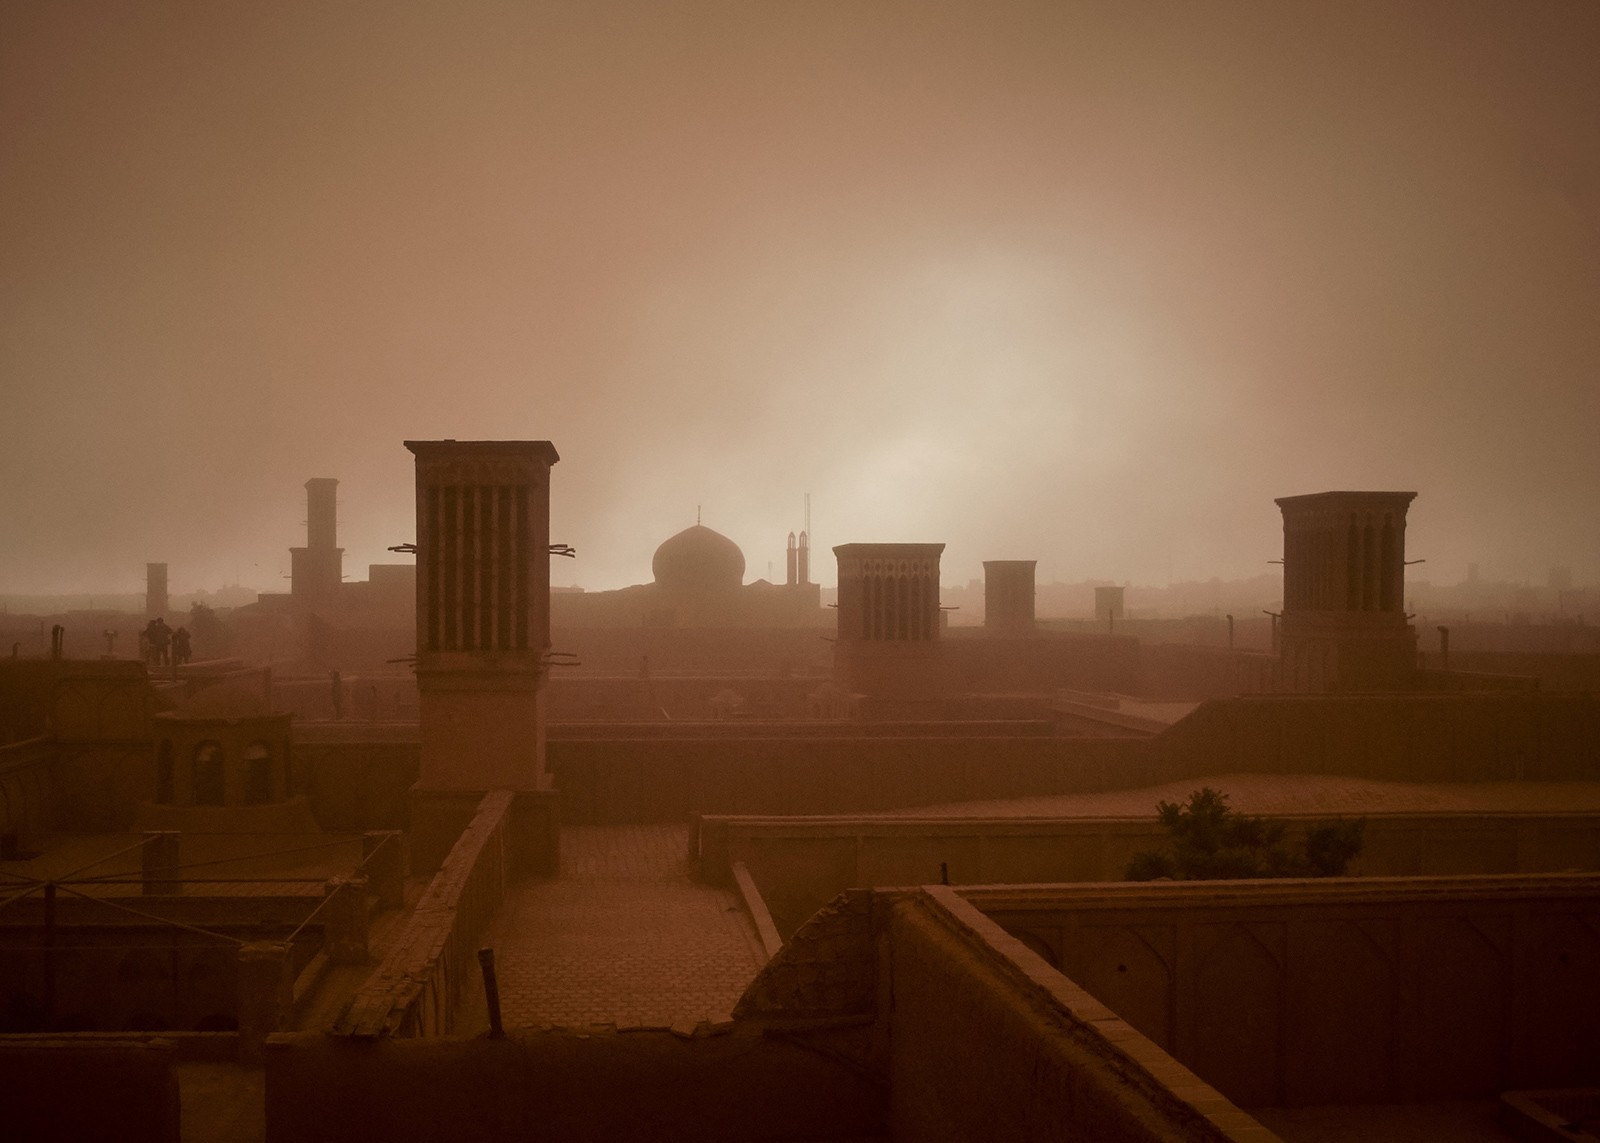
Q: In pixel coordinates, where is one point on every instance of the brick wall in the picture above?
(27, 790)
(1402, 738)
(636, 781)
(904, 1015)
(734, 1086)
(989, 1043)
(1316, 992)
(127, 1088)
(801, 864)
(359, 781)
(415, 990)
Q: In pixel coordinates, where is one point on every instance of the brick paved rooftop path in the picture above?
(622, 936)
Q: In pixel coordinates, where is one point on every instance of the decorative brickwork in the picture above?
(828, 968)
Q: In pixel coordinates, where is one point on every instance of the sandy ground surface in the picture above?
(623, 936)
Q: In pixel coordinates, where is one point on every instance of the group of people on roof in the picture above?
(161, 646)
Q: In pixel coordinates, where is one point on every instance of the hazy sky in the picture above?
(1089, 283)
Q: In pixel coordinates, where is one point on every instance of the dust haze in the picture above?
(1082, 283)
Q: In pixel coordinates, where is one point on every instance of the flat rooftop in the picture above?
(1273, 794)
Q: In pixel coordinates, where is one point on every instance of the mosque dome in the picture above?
(698, 561)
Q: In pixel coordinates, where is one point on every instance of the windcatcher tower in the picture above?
(155, 590)
(1344, 624)
(317, 570)
(483, 625)
(888, 638)
(1008, 596)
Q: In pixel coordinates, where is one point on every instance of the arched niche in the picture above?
(209, 773)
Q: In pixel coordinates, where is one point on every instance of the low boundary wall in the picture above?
(900, 1014)
(622, 781)
(588, 1086)
(71, 1088)
(1340, 991)
(414, 991)
(1484, 737)
(990, 1042)
(27, 790)
(975, 1035)
(646, 774)
(800, 864)
(641, 775)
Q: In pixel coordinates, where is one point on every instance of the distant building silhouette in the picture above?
(317, 570)
(1008, 595)
(889, 624)
(698, 582)
(1108, 603)
(155, 590)
(1344, 626)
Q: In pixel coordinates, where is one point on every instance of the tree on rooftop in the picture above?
(1210, 841)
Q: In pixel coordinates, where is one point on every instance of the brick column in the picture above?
(266, 994)
(157, 859)
(383, 859)
(344, 920)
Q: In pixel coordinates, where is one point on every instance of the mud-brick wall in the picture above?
(1337, 992)
(618, 781)
(799, 866)
(69, 1088)
(983, 1050)
(588, 1086)
(27, 790)
(98, 783)
(362, 783)
(1398, 738)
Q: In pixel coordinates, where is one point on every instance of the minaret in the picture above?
(803, 559)
(792, 576)
(1344, 626)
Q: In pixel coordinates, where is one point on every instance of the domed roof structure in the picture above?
(698, 561)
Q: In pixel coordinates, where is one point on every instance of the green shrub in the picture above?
(1211, 842)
